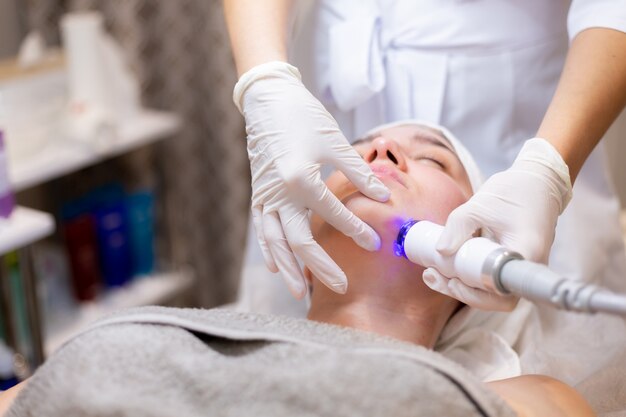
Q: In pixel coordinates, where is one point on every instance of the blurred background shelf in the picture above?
(69, 156)
(150, 290)
(24, 227)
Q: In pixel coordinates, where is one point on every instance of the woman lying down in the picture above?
(365, 353)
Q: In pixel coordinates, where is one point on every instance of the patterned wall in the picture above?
(180, 52)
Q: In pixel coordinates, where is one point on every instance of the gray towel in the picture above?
(158, 361)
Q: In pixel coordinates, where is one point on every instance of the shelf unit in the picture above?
(27, 226)
(142, 291)
(24, 227)
(67, 156)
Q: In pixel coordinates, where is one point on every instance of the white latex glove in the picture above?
(473, 297)
(517, 208)
(290, 134)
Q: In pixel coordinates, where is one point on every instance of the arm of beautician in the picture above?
(483, 264)
(590, 94)
(257, 30)
(290, 135)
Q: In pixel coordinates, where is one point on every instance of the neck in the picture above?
(400, 322)
(385, 296)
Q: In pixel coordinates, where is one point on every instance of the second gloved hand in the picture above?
(517, 208)
(290, 134)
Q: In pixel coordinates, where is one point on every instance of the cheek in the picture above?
(436, 199)
(431, 200)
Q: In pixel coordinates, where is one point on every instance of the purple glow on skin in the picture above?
(399, 221)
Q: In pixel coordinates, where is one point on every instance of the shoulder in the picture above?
(539, 395)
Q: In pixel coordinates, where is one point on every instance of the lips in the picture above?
(383, 171)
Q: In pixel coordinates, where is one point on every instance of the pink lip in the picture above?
(385, 171)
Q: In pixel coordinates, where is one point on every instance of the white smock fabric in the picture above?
(487, 70)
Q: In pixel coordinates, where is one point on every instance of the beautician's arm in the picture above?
(541, 396)
(290, 135)
(7, 397)
(258, 31)
(589, 97)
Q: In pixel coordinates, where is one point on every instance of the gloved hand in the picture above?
(473, 297)
(517, 208)
(290, 134)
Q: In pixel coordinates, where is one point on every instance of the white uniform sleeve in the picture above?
(585, 14)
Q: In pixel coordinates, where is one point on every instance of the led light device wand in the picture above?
(484, 264)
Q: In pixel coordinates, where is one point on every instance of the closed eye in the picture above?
(430, 160)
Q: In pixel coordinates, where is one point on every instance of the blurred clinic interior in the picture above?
(124, 176)
(140, 200)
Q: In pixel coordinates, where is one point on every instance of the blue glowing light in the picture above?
(398, 245)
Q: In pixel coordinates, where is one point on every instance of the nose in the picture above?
(386, 150)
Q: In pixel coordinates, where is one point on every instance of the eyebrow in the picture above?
(433, 140)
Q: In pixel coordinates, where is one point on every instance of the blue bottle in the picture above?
(113, 234)
(140, 209)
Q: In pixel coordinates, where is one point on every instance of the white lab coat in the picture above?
(487, 70)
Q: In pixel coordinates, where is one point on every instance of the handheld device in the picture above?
(484, 264)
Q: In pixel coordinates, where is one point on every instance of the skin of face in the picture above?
(427, 181)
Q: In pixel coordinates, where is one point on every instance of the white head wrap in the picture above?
(473, 173)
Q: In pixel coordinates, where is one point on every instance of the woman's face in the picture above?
(420, 168)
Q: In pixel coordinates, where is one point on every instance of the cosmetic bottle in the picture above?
(18, 310)
(78, 226)
(140, 209)
(112, 229)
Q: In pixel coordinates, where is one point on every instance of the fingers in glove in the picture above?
(483, 300)
(348, 161)
(453, 287)
(323, 202)
(298, 233)
(257, 220)
(436, 281)
(461, 225)
(281, 252)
